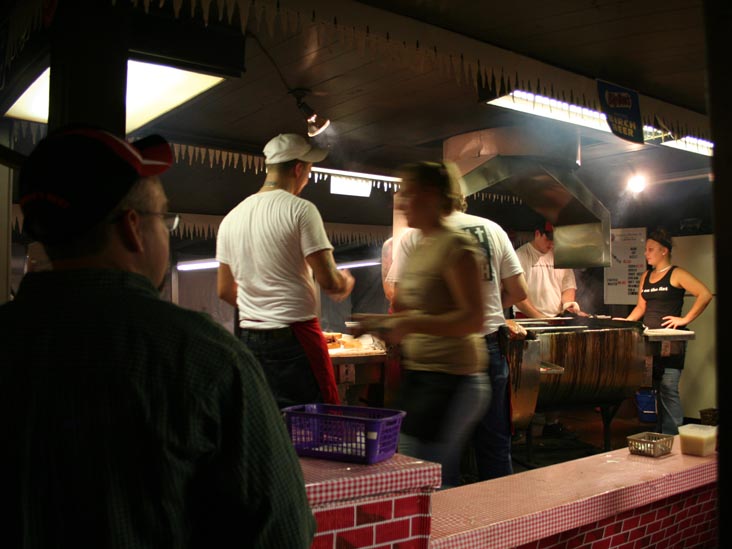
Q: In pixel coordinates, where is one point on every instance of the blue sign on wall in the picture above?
(622, 110)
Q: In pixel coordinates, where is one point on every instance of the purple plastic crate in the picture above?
(344, 433)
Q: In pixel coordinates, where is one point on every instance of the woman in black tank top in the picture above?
(660, 300)
(663, 299)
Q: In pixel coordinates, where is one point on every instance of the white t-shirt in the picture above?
(501, 263)
(546, 283)
(264, 240)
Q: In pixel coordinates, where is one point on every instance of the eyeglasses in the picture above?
(171, 220)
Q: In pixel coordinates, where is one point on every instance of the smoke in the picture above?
(591, 290)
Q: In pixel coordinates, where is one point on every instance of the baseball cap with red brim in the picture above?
(75, 177)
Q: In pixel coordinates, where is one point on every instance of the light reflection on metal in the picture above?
(197, 265)
(357, 264)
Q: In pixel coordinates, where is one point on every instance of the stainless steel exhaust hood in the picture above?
(538, 167)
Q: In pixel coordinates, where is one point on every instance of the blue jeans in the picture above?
(468, 405)
(492, 438)
(285, 364)
(670, 411)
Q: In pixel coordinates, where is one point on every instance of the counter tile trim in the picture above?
(688, 520)
(329, 481)
(516, 510)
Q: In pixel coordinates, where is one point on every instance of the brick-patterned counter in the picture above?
(615, 499)
(384, 505)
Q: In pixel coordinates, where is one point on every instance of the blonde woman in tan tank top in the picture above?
(438, 318)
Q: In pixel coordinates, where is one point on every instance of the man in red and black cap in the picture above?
(551, 291)
(127, 421)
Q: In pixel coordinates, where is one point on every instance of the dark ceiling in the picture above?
(656, 47)
(385, 112)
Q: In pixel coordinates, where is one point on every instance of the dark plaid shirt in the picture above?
(128, 422)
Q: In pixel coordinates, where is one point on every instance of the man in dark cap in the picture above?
(551, 290)
(127, 421)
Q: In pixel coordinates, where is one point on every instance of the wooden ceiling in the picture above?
(387, 110)
(654, 46)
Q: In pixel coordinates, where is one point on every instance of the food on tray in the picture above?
(337, 340)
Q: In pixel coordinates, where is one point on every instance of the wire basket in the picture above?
(650, 444)
(344, 433)
(709, 416)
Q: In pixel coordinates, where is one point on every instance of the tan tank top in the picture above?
(423, 287)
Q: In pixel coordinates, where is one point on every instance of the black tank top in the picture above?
(662, 299)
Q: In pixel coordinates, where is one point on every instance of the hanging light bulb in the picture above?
(637, 183)
(316, 124)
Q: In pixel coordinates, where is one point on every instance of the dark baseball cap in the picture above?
(545, 228)
(76, 176)
(549, 230)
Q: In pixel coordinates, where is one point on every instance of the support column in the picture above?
(6, 212)
(718, 19)
(89, 65)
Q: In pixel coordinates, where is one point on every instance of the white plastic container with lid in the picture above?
(698, 440)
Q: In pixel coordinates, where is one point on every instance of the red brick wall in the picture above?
(684, 520)
(401, 521)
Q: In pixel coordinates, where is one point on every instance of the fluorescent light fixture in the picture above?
(357, 264)
(197, 265)
(547, 107)
(350, 186)
(353, 183)
(211, 263)
(152, 90)
(692, 144)
(33, 104)
(360, 175)
(551, 108)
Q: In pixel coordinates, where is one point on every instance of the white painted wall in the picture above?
(698, 384)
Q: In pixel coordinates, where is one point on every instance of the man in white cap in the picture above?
(269, 247)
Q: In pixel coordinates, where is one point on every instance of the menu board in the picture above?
(622, 278)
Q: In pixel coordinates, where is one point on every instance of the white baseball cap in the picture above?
(291, 146)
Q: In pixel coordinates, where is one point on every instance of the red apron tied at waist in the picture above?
(310, 336)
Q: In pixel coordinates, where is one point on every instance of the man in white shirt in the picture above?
(551, 291)
(503, 285)
(269, 247)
